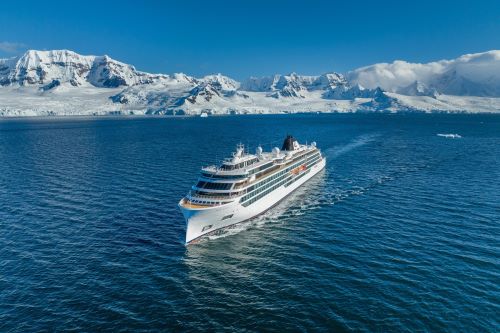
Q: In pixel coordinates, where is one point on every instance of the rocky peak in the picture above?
(44, 67)
(221, 82)
(418, 88)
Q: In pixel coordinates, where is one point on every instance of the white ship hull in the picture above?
(202, 222)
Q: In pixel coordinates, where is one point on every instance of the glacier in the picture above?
(62, 82)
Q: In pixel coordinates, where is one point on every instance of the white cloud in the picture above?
(478, 67)
(9, 47)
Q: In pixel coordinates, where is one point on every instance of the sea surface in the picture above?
(400, 232)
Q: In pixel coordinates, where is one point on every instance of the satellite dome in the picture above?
(258, 151)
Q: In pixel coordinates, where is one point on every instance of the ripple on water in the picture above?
(398, 233)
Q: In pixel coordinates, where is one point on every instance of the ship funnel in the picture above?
(290, 143)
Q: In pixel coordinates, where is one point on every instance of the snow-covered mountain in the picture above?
(469, 75)
(418, 88)
(63, 82)
(293, 85)
(58, 67)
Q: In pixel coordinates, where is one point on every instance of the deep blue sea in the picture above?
(400, 232)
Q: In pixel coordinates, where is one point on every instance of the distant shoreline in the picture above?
(156, 116)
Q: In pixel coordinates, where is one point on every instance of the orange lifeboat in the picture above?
(299, 169)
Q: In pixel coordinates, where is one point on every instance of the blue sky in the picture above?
(243, 38)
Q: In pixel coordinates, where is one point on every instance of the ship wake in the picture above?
(359, 141)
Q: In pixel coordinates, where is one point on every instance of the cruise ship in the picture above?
(246, 185)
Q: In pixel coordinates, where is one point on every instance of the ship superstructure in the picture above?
(245, 185)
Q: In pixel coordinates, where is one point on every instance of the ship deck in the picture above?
(188, 204)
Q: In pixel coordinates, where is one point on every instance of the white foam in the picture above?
(450, 135)
(355, 143)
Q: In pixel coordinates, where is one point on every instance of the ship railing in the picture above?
(193, 195)
(210, 168)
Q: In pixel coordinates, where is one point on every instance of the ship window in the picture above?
(214, 186)
(240, 184)
(212, 194)
(208, 175)
(265, 166)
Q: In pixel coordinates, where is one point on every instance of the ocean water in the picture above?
(399, 233)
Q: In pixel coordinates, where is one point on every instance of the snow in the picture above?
(28, 101)
(471, 74)
(62, 82)
(43, 67)
(224, 82)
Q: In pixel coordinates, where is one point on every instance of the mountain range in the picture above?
(62, 82)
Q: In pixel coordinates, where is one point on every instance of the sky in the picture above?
(253, 38)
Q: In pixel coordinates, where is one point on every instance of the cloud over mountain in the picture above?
(471, 74)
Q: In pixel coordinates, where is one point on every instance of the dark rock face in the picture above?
(203, 90)
(114, 82)
(120, 98)
(382, 102)
(345, 91)
(52, 85)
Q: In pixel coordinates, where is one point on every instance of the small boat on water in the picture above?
(246, 185)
